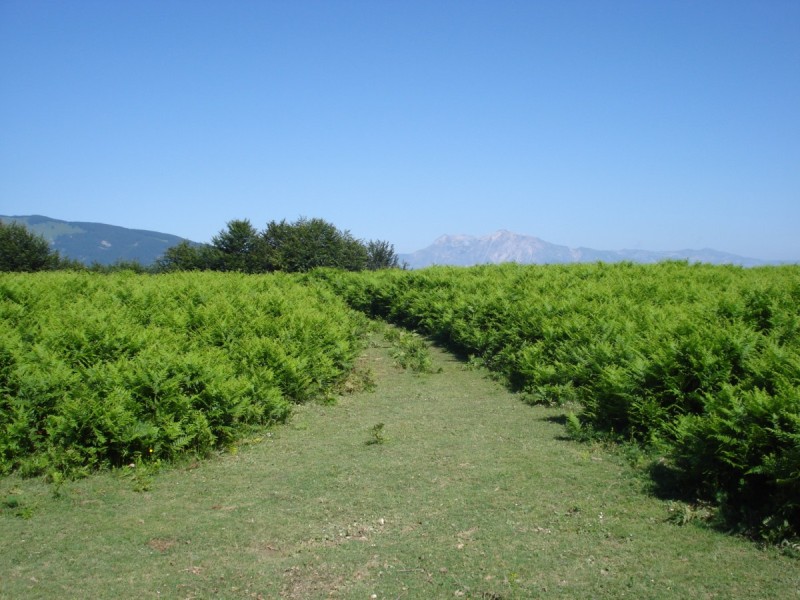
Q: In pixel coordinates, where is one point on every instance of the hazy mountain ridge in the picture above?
(106, 244)
(506, 246)
(98, 242)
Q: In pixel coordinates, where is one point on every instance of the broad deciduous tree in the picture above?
(23, 250)
(282, 246)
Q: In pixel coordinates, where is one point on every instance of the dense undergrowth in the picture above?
(700, 362)
(104, 370)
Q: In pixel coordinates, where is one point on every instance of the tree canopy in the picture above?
(281, 246)
(23, 250)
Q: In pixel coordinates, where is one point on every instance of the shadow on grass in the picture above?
(559, 419)
(668, 483)
(663, 479)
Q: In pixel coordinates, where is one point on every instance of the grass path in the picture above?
(472, 494)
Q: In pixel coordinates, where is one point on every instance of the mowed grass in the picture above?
(465, 491)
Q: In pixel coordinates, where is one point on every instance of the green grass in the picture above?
(471, 493)
(701, 362)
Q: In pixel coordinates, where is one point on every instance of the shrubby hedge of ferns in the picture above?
(102, 370)
(700, 361)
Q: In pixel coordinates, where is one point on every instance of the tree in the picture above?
(181, 257)
(282, 246)
(381, 255)
(310, 243)
(241, 248)
(23, 250)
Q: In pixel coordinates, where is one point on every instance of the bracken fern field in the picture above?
(701, 362)
(104, 370)
(698, 364)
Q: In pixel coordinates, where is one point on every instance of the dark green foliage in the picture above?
(381, 255)
(190, 257)
(310, 243)
(744, 451)
(240, 248)
(104, 370)
(295, 247)
(182, 257)
(24, 251)
(702, 362)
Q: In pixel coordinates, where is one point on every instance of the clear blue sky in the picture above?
(608, 124)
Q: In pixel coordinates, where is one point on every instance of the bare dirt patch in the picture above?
(161, 544)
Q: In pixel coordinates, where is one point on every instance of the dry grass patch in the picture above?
(161, 545)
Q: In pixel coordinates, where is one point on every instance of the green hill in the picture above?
(98, 242)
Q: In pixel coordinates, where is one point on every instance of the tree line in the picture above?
(282, 246)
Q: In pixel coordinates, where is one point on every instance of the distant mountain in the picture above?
(107, 244)
(97, 242)
(505, 246)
